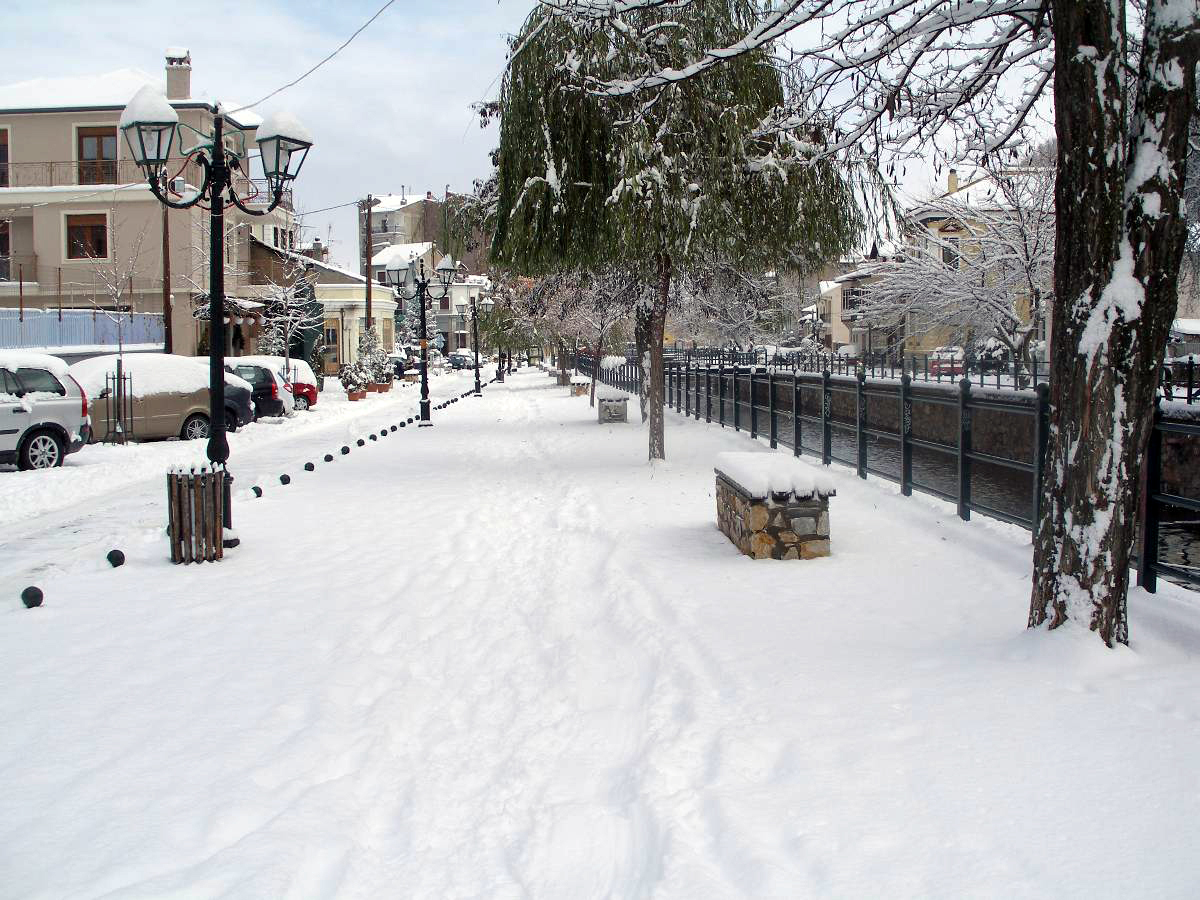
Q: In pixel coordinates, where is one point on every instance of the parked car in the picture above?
(946, 361)
(270, 391)
(167, 396)
(43, 411)
(296, 373)
(461, 359)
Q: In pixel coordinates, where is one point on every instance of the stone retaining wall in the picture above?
(785, 527)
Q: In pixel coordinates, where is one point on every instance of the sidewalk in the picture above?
(505, 657)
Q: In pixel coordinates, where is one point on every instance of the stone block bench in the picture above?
(581, 385)
(772, 506)
(611, 405)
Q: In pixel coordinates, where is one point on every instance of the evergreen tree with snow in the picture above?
(372, 357)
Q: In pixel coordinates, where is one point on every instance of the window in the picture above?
(950, 255)
(382, 276)
(445, 303)
(276, 238)
(331, 346)
(98, 155)
(87, 237)
(5, 253)
(291, 240)
(3, 157)
(39, 380)
(853, 298)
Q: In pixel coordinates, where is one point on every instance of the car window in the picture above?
(39, 380)
(252, 374)
(8, 384)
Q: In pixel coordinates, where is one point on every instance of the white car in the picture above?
(43, 410)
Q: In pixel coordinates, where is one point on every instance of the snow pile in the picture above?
(762, 474)
(612, 362)
(607, 392)
(302, 372)
(150, 373)
(23, 359)
(580, 379)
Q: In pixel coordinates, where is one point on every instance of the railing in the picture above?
(19, 267)
(74, 173)
(981, 449)
(1178, 381)
(24, 329)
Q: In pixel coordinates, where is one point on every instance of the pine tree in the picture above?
(373, 358)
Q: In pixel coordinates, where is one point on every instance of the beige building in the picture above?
(79, 228)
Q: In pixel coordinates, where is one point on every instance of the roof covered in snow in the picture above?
(393, 202)
(401, 252)
(1186, 326)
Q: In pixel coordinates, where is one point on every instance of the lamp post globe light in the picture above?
(486, 303)
(151, 127)
(411, 282)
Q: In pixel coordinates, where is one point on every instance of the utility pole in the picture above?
(364, 207)
(168, 343)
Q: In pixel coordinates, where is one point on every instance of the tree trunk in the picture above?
(641, 337)
(658, 393)
(1120, 242)
(597, 356)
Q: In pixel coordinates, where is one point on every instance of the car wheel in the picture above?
(231, 421)
(195, 428)
(301, 403)
(41, 450)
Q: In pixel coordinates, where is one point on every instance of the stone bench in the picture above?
(772, 506)
(611, 405)
(581, 385)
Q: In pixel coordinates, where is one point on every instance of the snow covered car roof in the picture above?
(24, 359)
(150, 373)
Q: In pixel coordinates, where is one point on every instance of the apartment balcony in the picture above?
(74, 173)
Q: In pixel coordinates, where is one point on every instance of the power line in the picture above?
(342, 47)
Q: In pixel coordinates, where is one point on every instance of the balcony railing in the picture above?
(75, 173)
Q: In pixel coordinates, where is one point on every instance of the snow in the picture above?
(151, 373)
(401, 252)
(762, 475)
(23, 359)
(570, 686)
(612, 362)
(1186, 326)
(282, 124)
(149, 104)
(106, 89)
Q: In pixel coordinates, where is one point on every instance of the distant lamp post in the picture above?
(151, 127)
(412, 283)
(487, 304)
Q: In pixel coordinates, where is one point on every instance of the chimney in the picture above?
(429, 195)
(952, 181)
(179, 73)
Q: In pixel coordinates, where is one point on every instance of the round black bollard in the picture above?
(361, 442)
(115, 558)
(31, 597)
(345, 450)
(309, 467)
(285, 479)
(383, 433)
(373, 437)
(393, 428)
(257, 491)
(328, 457)
(402, 424)
(410, 421)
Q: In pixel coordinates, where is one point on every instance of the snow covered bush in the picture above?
(373, 358)
(354, 377)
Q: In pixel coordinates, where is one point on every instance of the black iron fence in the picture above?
(980, 448)
(1178, 378)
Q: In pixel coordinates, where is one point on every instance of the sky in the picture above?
(393, 109)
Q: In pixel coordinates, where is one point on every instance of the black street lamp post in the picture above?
(150, 125)
(411, 283)
(487, 305)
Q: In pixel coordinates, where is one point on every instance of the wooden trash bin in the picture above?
(196, 514)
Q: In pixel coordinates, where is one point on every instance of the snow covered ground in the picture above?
(503, 657)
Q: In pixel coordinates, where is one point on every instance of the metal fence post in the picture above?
(906, 435)
(1151, 485)
(964, 448)
(753, 403)
(1041, 435)
(771, 409)
(737, 425)
(721, 389)
(707, 393)
(797, 434)
(826, 417)
(861, 423)
(687, 388)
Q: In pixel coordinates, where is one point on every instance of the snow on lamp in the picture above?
(149, 124)
(283, 143)
(446, 270)
(397, 272)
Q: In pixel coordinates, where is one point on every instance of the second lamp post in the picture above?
(411, 282)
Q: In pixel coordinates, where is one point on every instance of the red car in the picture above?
(947, 361)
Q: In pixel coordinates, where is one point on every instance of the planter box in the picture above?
(356, 395)
(382, 387)
(772, 506)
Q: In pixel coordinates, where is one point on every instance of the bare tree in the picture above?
(992, 275)
(291, 312)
